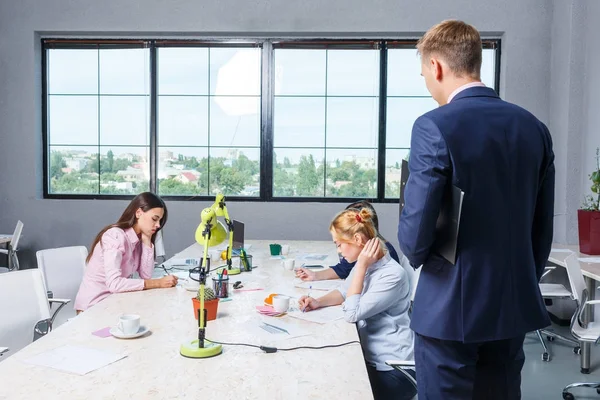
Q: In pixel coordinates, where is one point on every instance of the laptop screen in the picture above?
(238, 235)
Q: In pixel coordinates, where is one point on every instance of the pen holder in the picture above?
(246, 263)
(221, 286)
(275, 249)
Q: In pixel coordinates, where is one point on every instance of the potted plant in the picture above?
(211, 304)
(588, 217)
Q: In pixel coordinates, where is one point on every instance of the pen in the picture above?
(309, 289)
(163, 267)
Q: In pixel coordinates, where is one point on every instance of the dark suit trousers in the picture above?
(449, 370)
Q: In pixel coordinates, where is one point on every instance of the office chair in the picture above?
(31, 319)
(554, 291)
(62, 269)
(404, 367)
(13, 247)
(581, 329)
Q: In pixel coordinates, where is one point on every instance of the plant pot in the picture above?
(211, 307)
(589, 231)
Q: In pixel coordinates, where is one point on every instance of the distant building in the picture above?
(76, 164)
(132, 174)
(187, 177)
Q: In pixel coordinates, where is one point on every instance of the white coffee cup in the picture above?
(288, 263)
(281, 303)
(285, 249)
(129, 324)
(215, 255)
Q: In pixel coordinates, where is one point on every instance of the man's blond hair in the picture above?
(455, 42)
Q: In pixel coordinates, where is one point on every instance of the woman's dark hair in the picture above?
(146, 201)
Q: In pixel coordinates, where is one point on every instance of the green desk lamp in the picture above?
(210, 232)
(221, 211)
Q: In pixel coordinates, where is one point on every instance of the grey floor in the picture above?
(545, 380)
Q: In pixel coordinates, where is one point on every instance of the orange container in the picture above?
(211, 307)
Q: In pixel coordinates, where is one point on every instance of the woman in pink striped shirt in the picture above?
(122, 248)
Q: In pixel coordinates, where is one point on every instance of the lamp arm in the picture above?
(230, 229)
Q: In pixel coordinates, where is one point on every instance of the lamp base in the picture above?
(191, 349)
(232, 271)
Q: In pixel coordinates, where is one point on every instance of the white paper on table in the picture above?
(319, 285)
(75, 359)
(590, 259)
(560, 250)
(253, 326)
(320, 315)
(312, 256)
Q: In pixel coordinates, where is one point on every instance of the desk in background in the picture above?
(591, 274)
(153, 368)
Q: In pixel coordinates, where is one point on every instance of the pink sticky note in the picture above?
(104, 332)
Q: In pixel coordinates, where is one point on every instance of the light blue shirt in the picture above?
(381, 313)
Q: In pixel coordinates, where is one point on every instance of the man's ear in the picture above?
(437, 68)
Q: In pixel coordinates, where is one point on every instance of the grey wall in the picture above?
(526, 28)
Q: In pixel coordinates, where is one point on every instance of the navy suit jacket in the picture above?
(501, 156)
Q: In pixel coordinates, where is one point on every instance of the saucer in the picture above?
(116, 332)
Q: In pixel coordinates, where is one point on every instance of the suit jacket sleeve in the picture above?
(543, 220)
(430, 167)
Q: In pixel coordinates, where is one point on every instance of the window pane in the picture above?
(488, 67)
(124, 71)
(183, 171)
(298, 172)
(351, 173)
(352, 122)
(73, 71)
(124, 170)
(401, 116)
(300, 72)
(182, 120)
(393, 163)
(404, 73)
(124, 120)
(235, 172)
(299, 121)
(73, 170)
(235, 72)
(241, 129)
(182, 71)
(352, 72)
(73, 120)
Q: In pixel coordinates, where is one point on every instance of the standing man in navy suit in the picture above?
(471, 317)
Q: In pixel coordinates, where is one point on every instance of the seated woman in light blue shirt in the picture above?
(376, 296)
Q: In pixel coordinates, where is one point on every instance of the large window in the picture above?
(268, 120)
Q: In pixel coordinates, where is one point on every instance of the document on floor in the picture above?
(75, 359)
(319, 285)
(320, 316)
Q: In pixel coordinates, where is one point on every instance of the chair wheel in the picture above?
(545, 357)
(577, 350)
(550, 338)
(598, 390)
(568, 396)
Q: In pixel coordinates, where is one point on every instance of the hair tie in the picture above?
(358, 218)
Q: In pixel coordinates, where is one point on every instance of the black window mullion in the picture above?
(381, 153)
(266, 117)
(45, 125)
(153, 119)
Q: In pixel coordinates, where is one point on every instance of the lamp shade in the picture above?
(218, 233)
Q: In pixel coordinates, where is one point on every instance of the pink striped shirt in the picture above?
(116, 257)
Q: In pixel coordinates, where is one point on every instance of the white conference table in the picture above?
(591, 274)
(5, 239)
(154, 369)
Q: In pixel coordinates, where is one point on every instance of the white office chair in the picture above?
(581, 329)
(62, 269)
(25, 313)
(554, 291)
(11, 251)
(404, 367)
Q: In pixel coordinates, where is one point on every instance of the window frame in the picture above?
(267, 99)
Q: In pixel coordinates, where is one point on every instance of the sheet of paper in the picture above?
(320, 316)
(277, 328)
(553, 250)
(312, 256)
(319, 285)
(75, 359)
(590, 259)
